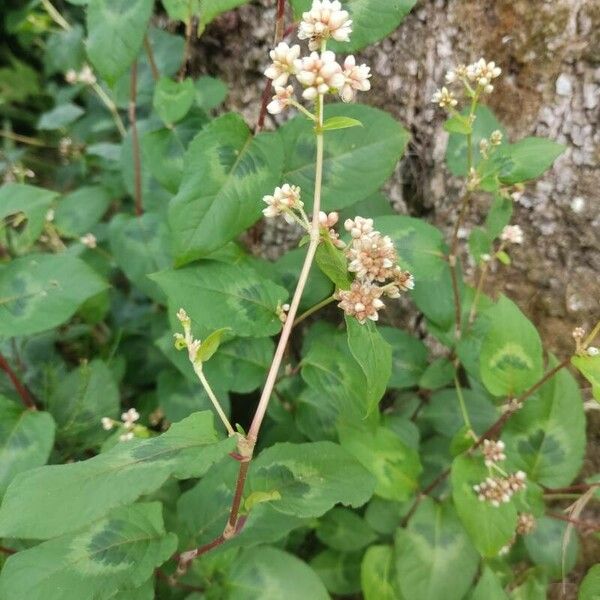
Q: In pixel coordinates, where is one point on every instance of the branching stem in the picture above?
(135, 143)
(313, 309)
(19, 386)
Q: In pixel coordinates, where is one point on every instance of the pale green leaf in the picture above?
(121, 550)
(60, 117)
(210, 344)
(340, 122)
(590, 586)
(488, 587)
(26, 439)
(41, 291)
(173, 99)
(589, 367)
(226, 174)
(377, 574)
(80, 210)
(210, 92)
(332, 262)
(76, 494)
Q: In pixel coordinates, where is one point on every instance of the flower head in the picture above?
(107, 423)
(525, 523)
(482, 73)
(493, 452)
(361, 301)
(89, 240)
(281, 99)
(319, 74)
(372, 257)
(357, 79)
(284, 199)
(284, 58)
(325, 20)
(593, 351)
(444, 98)
(512, 234)
(130, 417)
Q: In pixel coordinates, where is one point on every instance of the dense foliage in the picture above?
(421, 464)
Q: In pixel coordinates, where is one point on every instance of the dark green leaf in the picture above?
(210, 92)
(488, 587)
(339, 571)
(528, 159)
(409, 357)
(342, 529)
(80, 210)
(60, 117)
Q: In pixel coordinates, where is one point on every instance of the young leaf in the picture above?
(395, 466)
(218, 295)
(340, 122)
(435, 558)
(173, 99)
(141, 246)
(332, 262)
(374, 355)
(528, 158)
(546, 437)
(511, 352)
(211, 343)
(589, 367)
(116, 30)
(489, 527)
(377, 574)
(227, 172)
(266, 572)
(310, 478)
(76, 494)
(121, 550)
(357, 160)
(41, 291)
(33, 202)
(458, 124)
(26, 439)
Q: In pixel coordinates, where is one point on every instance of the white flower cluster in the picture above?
(285, 201)
(512, 234)
(89, 240)
(498, 490)
(493, 452)
(319, 73)
(373, 259)
(86, 75)
(128, 420)
(478, 75)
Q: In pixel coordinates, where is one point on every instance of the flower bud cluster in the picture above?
(319, 73)
(512, 234)
(497, 490)
(373, 260)
(285, 201)
(493, 452)
(86, 76)
(128, 421)
(526, 523)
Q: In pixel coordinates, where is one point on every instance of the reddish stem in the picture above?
(135, 142)
(6, 550)
(19, 386)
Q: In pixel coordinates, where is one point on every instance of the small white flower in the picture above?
(281, 99)
(578, 333)
(319, 74)
(284, 199)
(483, 73)
(325, 20)
(283, 57)
(71, 76)
(107, 423)
(125, 437)
(496, 138)
(86, 75)
(358, 226)
(130, 417)
(357, 79)
(50, 215)
(444, 98)
(328, 220)
(593, 351)
(88, 240)
(512, 234)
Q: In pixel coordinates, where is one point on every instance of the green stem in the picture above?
(463, 406)
(314, 309)
(213, 398)
(590, 338)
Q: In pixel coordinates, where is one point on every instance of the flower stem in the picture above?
(590, 338)
(463, 406)
(314, 309)
(213, 398)
(135, 142)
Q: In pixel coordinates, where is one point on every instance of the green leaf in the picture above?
(546, 437)
(40, 291)
(480, 243)
(528, 159)
(489, 527)
(458, 124)
(488, 587)
(141, 246)
(435, 558)
(590, 586)
(60, 117)
(210, 9)
(374, 356)
(372, 20)
(227, 172)
(173, 99)
(511, 352)
(80, 210)
(210, 344)
(503, 257)
(163, 154)
(310, 478)
(342, 529)
(26, 439)
(332, 262)
(339, 571)
(395, 466)
(409, 357)
(357, 160)
(219, 295)
(76, 494)
(80, 400)
(456, 151)
(340, 122)
(33, 202)
(499, 215)
(116, 30)
(210, 92)
(545, 547)
(265, 573)
(438, 374)
(377, 574)
(589, 367)
(118, 551)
